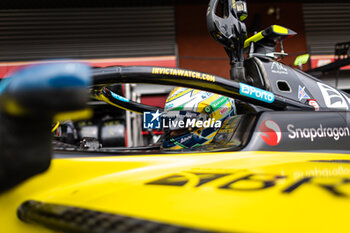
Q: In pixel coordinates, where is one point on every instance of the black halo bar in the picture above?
(107, 96)
(191, 79)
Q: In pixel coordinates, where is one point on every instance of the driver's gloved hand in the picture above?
(29, 99)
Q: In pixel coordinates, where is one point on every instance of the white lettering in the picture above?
(181, 124)
(217, 124)
(199, 124)
(190, 123)
(290, 128)
(313, 133)
(206, 123)
(245, 89)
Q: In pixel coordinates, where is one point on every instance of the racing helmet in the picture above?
(192, 117)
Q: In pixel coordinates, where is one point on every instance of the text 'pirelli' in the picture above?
(183, 73)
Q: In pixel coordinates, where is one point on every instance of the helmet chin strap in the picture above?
(229, 31)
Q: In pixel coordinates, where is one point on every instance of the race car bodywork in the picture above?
(266, 171)
(201, 192)
(281, 165)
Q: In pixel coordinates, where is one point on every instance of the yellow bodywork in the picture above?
(226, 192)
(279, 29)
(254, 38)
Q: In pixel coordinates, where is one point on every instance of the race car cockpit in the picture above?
(277, 108)
(275, 105)
(227, 159)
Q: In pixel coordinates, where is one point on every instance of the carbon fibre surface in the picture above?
(73, 219)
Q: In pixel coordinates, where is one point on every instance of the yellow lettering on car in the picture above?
(183, 73)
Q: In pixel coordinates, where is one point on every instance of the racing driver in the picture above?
(190, 105)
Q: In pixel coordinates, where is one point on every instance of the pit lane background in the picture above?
(158, 33)
(38, 30)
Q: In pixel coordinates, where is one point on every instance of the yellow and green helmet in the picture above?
(193, 117)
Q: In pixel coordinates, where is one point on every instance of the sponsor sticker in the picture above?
(169, 105)
(302, 93)
(183, 73)
(332, 97)
(278, 68)
(331, 181)
(215, 105)
(224, 109)
(346, 97)
(270, 132)
(313, 103)
(321, 132)
(256, 93)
